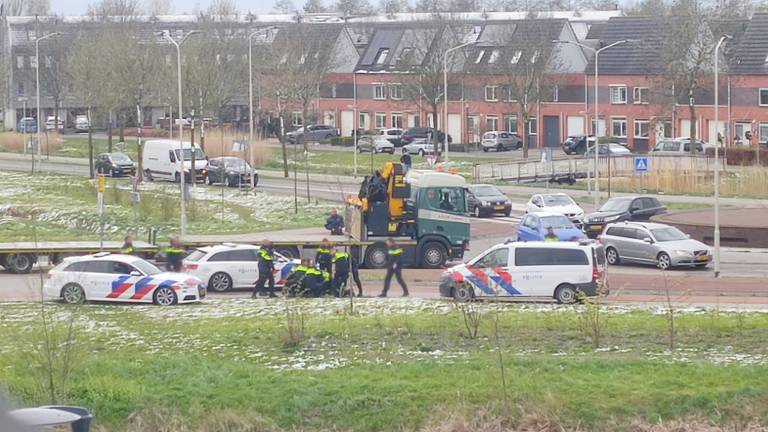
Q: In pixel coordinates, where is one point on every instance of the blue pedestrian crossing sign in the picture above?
(641, 164)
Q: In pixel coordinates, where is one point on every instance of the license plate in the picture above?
(595, 227)
(499, 207)
(702, 258)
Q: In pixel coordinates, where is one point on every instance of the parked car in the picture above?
(47, 418)
(393, 135)
(676, 147)
(49, 122)
(231, 172)
(501, 141)
(558, 203)
(314, 133)
(119, 278)
(563, 271)
(82, 124)
(611, 149)
(375, 144)
(27, 125)
(534, 226)
(578, 144)
(652, 243)
(160, 160)
(229, 266)
(115, 165)
(426, 133)
(485, 200)
(420, 147)
(620, 209)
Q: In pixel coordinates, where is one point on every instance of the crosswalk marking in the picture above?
(506, 220)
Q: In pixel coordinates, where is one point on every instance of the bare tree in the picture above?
(284, 6)
(391, 7)
(106, 10)
(81, 65)
(37, 7)
(159, 7)
(313, 6)
(222, 8)
(353, 7)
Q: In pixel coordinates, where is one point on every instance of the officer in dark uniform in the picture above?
(174, 253)
(266, 269)
(354, 264)
(394, 267)
(317, 282)
(294, 284)
(127, 248)
(341, 269)
(323, 259)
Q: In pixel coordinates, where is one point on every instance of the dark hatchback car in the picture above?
(231, 172)
(622, 209)
(486, 200)
(577, 144)
(115, 165)
(413, 133)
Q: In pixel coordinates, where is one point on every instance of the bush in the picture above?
(741, 156)
(461, 148)
(343, 141)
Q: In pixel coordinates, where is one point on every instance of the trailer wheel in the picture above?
(290, 252)
(20, 263)
(433, 255)
(376, 256)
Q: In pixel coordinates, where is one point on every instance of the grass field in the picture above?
(391, 365)
(57, 207)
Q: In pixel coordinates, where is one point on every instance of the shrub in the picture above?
(741, 156)
(343, 141)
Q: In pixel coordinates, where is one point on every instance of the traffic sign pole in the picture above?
(100, 187)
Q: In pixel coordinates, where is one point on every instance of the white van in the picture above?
(161, 160)
(559, 270)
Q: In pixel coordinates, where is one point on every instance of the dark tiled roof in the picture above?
(751, 48)
(595, 31)
(637, 58)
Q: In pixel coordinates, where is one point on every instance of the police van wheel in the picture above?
(566, 294)
(463, 293)
(165, 296)
(220, 282)
(433, 255)
(148, 175)
(376, 256)
(73, 293)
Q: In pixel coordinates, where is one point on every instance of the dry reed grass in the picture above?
(14, 142)
(736, 181)
(219, 141)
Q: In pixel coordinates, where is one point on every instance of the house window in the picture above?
(302, 59)
(532, 126)
(534, 57)
(396, 92)
(379, 92)
(480, 56)
(763, 96)
(640, 128)
(555, 94)
(491, 93)
(491, 123)
(296, 119)
(619, 127)
(510, 123)
(381, 120)
(381, 56)
(19, 62)
(494, 56)
(640, 95)
(20, 88)
(618, 94)
(48, 62)
(598, 126)
(406, 55)
(33, 62)
(762, 132)
(516, 57)
(397, 120)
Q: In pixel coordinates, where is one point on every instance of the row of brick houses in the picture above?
(365, 87)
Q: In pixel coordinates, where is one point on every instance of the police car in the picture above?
(119, 278)
(563, 271)
(230, 265)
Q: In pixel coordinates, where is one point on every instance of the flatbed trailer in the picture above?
(20, 257)
(302, 243)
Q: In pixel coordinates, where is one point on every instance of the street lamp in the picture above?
(597, 129)
(716, 143)
(37, 79)
(182, 177)
(250, 94)
(445, 94)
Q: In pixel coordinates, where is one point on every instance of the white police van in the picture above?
(559, 270)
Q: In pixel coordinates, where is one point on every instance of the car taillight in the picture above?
(596, 273)
(190, 266)
(50, 275)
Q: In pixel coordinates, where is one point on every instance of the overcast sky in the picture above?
(77, 7)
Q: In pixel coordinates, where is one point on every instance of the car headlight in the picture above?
(610, 218)
(485, 203)
(683, 253)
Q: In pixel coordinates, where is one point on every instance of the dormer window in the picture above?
(494, 56)
(480, 57)
(516, 57)
(534, 57)
(381, 56)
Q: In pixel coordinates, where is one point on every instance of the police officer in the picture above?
(335, 223)
(266, 269)
(394, 267)
(323, 259)
(317, 282)
(127, 248)
(294, 284)
(174, 253)
(550, 236)
(354, 264)
(341, 269)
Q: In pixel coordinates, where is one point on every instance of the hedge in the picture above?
(741, 156)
